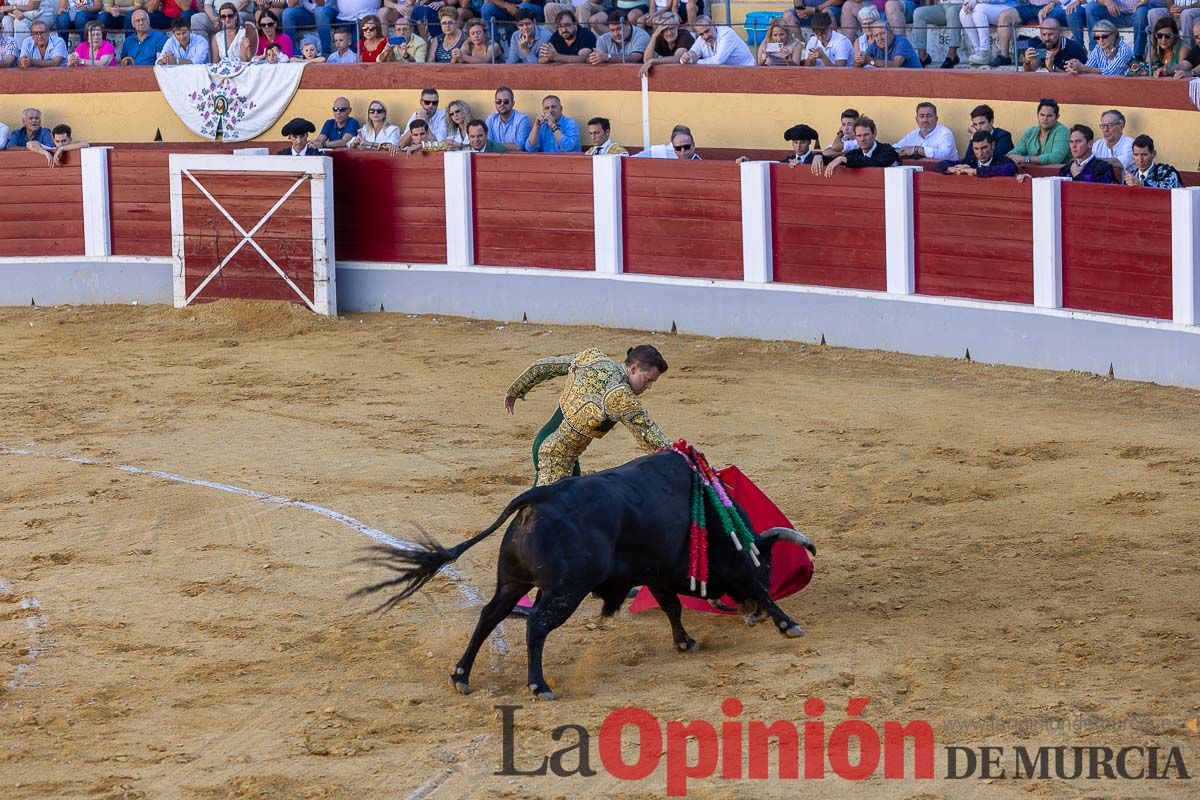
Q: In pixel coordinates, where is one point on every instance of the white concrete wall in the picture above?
(84, 281)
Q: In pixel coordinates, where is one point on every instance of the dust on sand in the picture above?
(995, 543)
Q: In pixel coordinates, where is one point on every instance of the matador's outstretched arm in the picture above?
(541, 370)
(624, 405)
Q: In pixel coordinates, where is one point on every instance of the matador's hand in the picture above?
(510, 403)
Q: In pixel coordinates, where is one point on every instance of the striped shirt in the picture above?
(1117, 65)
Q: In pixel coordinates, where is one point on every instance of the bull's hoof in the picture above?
(541, 694)
(689, 646)
(460, 686)
(794, 632)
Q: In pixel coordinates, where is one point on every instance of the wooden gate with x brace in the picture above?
(253, 227)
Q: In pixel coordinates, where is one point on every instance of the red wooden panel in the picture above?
(41, 209)
(682, 218)
(533, 212)
(828, 231)
(389, 208)
(973, 237)
(1117, 250)
(139, 186)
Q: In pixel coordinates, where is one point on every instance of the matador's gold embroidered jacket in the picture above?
(597, 396)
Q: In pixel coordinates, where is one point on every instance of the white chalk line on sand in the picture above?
(466, 589)
(34, 624)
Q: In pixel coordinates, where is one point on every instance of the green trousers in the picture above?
(547, 429)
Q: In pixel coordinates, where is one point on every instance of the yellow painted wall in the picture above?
(753, 121)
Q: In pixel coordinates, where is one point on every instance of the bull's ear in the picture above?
(769, 537)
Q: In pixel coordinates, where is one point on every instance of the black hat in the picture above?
(299, 126)
(800, 133)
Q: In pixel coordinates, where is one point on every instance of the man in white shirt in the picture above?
(439, 126)
(1113, 145)
(681, 137)
(184, 47)
(929, 140)
(717, 46)
(827, 47)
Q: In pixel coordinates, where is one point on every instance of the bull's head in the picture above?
(751, 609)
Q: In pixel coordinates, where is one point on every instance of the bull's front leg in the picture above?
(783, 623)
(668, 601)
(552, 609)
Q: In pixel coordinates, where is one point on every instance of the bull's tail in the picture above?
(415, 566)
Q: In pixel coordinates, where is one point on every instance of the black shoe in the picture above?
(926, 60)
(950, 63)
(1000, 61)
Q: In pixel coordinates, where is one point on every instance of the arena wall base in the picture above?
(84, 281)
(997, 333)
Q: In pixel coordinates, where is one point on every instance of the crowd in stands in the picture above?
(1076, 37)
(993, 152)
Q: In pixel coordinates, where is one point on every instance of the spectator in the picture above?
(307, 14)
(350, 12)
(843, 140)
(478, 141)
(526, 43)
(1056, 51)
(435, 118)
(296, 132)
(421, 140)
(62, 143)
(1186, 14)
(163, 13)
(806, 145)
(1046, 142)
(143, 46)
(504, 11)
(479, 48)
(621, 44)
(779, 48)
(867, 16)
(553, 133)
(1113, 145)
(5, 134)
(569, 44)
(1147, 173)
(118, 16)
(506, 125)
(977, 17)
(423, 14)
(76, 14)
(930, 139)
(895, 12)
(31, 130)
(1084, 166)
(984, 161)
(804, 12)
(447, 48)
(458, 114)
(310, 50)
(1024, 12)
(94, 50)
(207, 20)
(600, 134)
(371, 43)
(8, 53)
(1190, 66)
(681, 137)
(983, 119)
(342, 54)
(1167, 48)
(1113, 12)
(230, 42)
(412, 49)
(273, 55)
(184, 47)
(376, 133)
(870, 153)
(667, 44)
(888, 50)
(827, 47)
(42, 48)
(1110, 56)
(939, 14)
(717, 46)
(20, 16)
(338, 131)
(269, 33)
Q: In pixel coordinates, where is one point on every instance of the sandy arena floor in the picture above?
(993, 541)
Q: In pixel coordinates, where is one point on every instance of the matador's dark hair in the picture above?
(646, 356)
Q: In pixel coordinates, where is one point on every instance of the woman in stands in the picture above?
(458, 114)
(779, 48)
(376, 134)
(1167, 48)
(94, 50)
(371, 42)
(270, 33)
(867, 15)
(978, 17)
(479, 47)
(447, 48)
(1111, 55)
(230, 42)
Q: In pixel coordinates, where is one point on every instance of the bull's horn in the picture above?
(789, 535)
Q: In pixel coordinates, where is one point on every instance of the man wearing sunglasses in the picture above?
(506, 125)
(337, 132)
(434, 117)
(682, 146)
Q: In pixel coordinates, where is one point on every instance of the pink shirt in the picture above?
(83, 52)
(282, 39)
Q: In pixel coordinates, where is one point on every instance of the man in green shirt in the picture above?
(1048, 142)
(478, 141)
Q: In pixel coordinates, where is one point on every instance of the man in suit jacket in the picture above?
(870, 153)
(297, 132)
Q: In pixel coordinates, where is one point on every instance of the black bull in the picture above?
(605, 533)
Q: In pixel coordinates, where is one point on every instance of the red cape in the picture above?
(791, 568)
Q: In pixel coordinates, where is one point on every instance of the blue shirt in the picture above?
(515, 131)
(20, 137)
(547, 143)
(901, 46)
(55, 48)
(196, 52)
(333, 133)
(143, 53)
(540, 37)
